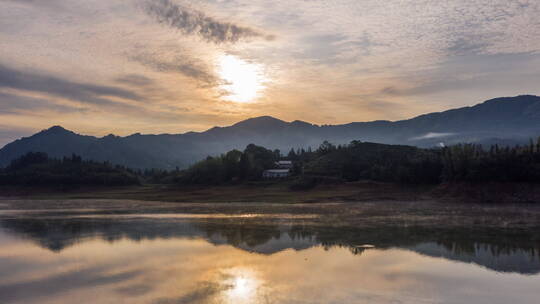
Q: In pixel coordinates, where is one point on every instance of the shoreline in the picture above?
(280, 192)
(357, 205)
(240, 193)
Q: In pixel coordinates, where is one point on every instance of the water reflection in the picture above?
(241, 260)
(500, 250)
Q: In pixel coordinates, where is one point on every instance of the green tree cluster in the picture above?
(37, 169)
(473, 163)
(371, 161)
(233, 166)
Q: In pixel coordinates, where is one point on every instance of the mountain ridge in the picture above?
(268, 118)
(508, 120)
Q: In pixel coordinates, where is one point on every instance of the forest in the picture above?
(328, 163)
(378, 162)
(38, 169)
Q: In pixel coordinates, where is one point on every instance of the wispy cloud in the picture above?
(432, 135)
(193, 22)
(191, 68)
(135, 80)
(12, 104)
(82, 92)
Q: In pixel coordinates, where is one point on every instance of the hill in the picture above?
(507, 120)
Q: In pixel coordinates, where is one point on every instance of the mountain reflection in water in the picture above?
(239, 260)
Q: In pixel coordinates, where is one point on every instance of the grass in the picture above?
(254, 192)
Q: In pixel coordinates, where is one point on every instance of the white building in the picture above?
(284, 164)
(276, 173)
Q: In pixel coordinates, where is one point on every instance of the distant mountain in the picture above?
(507, 120)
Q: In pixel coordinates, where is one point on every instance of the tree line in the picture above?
(328, 163)
(379, 162)
(38, 169)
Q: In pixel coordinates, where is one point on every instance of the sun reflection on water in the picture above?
(242, 286)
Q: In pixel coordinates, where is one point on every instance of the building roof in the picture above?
(277, 171)
(284, 162)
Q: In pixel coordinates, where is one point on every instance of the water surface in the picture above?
(83, 256)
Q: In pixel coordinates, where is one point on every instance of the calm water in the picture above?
(86, 257)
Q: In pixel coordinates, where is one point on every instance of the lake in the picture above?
(88, 255)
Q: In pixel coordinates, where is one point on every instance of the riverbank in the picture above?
(280, 192)
(253, 192)
(359, 214)
(364, 204)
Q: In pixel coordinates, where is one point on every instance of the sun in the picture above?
(242, 81)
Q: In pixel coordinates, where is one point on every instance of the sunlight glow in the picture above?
(243, 287)
(243, 81)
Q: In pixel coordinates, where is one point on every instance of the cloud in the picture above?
(469, 44)
(28, 1)
(82, 92)
(480, 73)
(11, 104)
(192, 22)
(134, 290)
(56, 5)
(463, 46)
(97, 97)
(332, 49)
(431, 135)
(179, 64)
(135, 80)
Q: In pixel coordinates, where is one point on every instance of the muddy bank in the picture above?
(253, 192)
(419, 213)
(498, 193)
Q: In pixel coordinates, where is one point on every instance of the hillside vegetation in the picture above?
(328, 164)
(37, 169)
(378, 162)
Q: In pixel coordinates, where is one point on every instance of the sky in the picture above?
(171, 66)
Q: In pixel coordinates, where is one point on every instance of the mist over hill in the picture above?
(507, 120)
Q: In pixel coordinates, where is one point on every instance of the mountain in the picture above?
(507, 120)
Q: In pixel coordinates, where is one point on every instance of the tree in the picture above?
(292, 155)
(325, 147)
